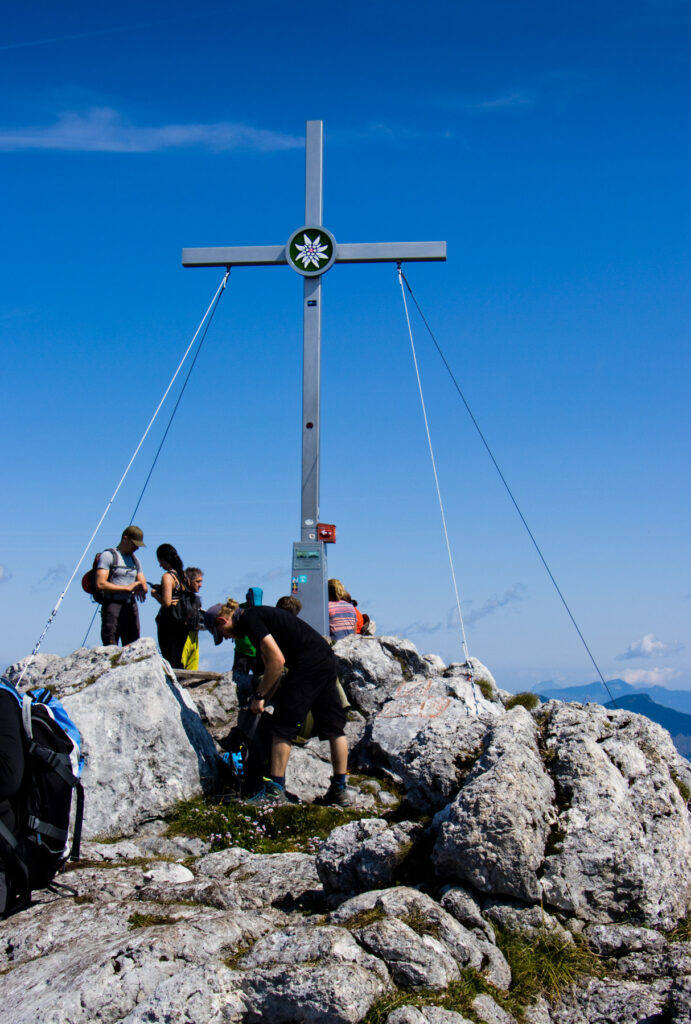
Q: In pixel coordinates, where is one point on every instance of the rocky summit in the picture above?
(497, 862)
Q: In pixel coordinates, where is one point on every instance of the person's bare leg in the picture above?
(339, 754)
(280, 752)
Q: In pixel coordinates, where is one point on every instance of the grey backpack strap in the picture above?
(26, 716)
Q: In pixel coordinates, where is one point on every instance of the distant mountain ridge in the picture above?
(628, 698)
(595, 692)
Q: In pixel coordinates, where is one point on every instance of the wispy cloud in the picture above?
(491, 605)
(113, 29)
(254, 579)
(510, 99)
(105, 130)
(514, 98)
(648, 677)
(649, 647)
(5, 573)
(419, 629)
(56, 574)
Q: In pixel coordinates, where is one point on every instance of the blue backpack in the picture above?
(40, 846)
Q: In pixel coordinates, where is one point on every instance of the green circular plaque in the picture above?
(311, 250)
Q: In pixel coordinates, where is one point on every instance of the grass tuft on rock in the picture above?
(287, 828)
(545, 964)
(485, 688)
(684, 790)
(458, 997)
(524, 700)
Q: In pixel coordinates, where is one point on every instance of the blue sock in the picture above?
(340, 780)
(280, 780)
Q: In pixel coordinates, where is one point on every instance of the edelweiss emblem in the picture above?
(311, 252)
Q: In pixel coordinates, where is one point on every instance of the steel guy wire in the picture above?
(209, 318)
(54, 612)
(508, 489)
(434, 467)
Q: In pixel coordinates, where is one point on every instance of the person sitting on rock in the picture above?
(285, 641)
(342, 615)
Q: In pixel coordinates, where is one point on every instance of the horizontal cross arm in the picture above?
(390, 252)
(235, 256)
(275, 255)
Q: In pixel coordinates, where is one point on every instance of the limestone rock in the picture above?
(426, 734)
(609, 1001)
(364, 854)
(459, 902)
(497, 827)
(216, 701)
(538, 1012)
(199, 994)
(34, 668)
(415, 961)
(624, 837)
(470, 679)
(490, 1012)
(260, 881)
(340, 993)
(424, 914)
(144, 745)
(531, 921)
(425, 1015)
(369, 673)
(619, 939)
(311, 974)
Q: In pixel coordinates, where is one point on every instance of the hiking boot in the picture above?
(335, 796)
(270, 794)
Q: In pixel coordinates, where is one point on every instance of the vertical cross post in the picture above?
(311, 250)
(310, 573)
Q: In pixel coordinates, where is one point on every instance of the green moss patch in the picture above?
(137, 920)
(289, 827)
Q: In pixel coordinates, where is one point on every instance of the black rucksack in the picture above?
(188, 609)
(247, 750)
(40, 846)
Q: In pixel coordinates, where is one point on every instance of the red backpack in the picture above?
(89, 578)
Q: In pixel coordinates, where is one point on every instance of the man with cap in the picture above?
(122, 583)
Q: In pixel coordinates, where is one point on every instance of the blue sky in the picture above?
(547, 144)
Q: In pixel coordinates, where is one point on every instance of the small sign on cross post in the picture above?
(311, 250)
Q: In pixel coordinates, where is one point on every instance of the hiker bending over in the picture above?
(285, 641)
(120, 578)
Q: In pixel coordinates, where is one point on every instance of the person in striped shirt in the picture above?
(342, 615)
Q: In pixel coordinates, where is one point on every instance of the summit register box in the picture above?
(308, 582)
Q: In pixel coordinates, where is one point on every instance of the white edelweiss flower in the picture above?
(312, 251)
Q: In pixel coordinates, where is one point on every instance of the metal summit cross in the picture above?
(311, 250)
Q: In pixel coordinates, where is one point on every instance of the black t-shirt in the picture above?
(300, 644)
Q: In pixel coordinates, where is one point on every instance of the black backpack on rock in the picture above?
(40, 846)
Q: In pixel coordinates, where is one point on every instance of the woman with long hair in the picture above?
(171, 634)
